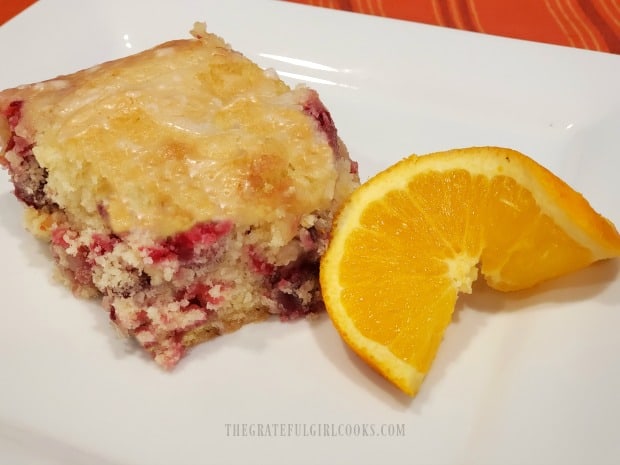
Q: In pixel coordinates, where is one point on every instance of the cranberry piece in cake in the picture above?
(187, 188)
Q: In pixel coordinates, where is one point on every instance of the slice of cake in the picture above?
(190, 190)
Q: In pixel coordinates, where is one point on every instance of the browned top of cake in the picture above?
(185, 132)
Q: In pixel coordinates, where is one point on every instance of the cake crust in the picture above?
(135, 130)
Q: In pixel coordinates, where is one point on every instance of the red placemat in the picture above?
(9, 8)
(588, 24)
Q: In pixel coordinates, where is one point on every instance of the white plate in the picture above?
(531, 377)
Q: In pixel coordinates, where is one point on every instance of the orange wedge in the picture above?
(414, 236)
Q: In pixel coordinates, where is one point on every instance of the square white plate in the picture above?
(531, 377)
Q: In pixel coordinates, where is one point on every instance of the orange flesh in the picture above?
(417, 247)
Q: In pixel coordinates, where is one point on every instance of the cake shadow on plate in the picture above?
(36, 252)
(11, 215)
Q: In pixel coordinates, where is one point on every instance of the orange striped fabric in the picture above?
(9, 8)
(588, 24)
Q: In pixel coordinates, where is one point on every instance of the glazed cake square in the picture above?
(187, 188)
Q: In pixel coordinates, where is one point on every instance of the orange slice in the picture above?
(414, 236)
